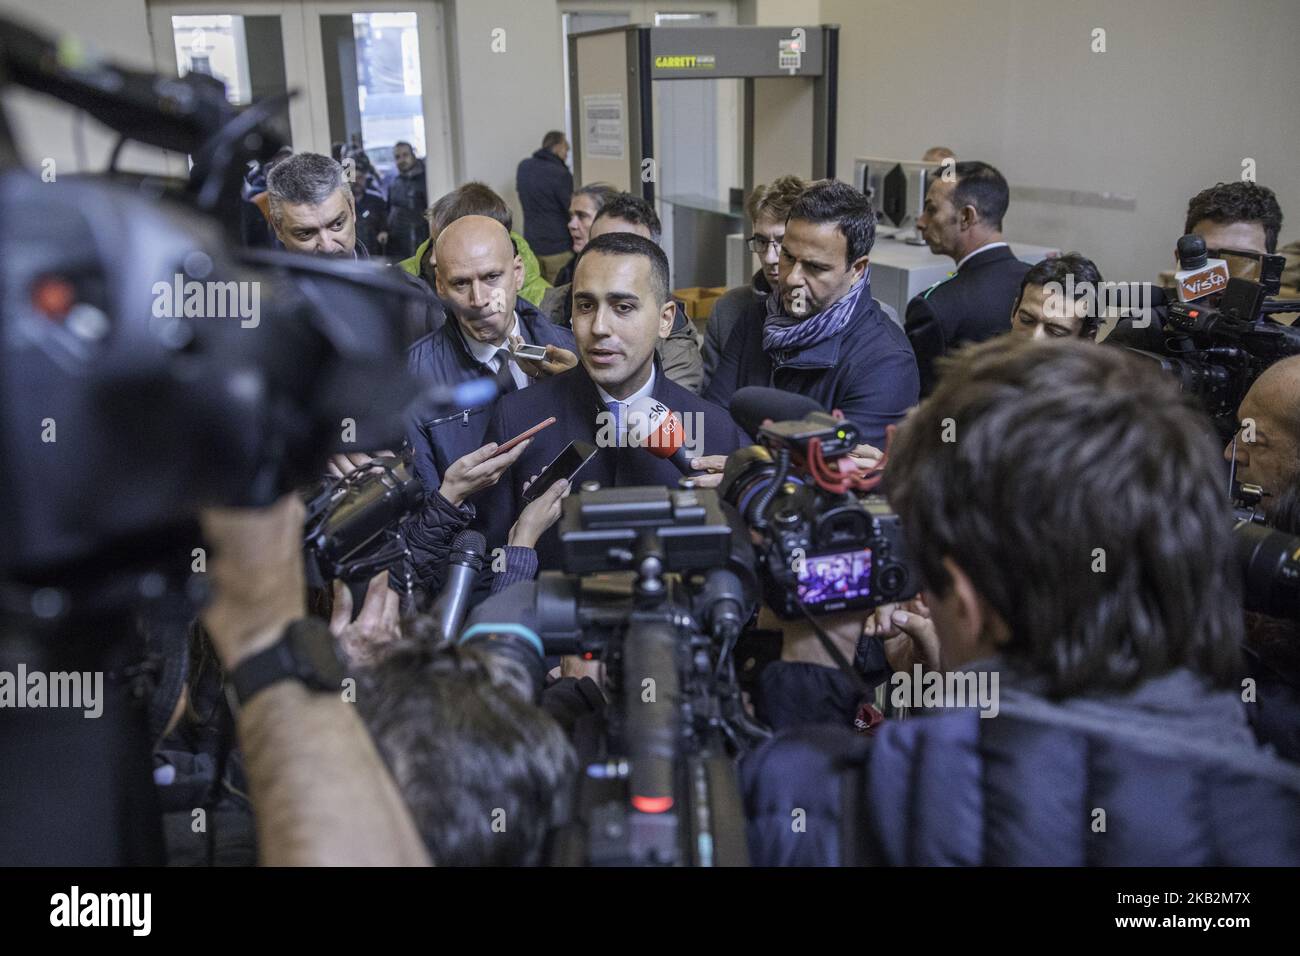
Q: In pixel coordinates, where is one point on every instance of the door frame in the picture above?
(304, 67)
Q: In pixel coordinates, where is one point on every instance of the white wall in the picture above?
(507, 101)
(779, 13)
(44, 127)
(1185, 90)
(504, 101)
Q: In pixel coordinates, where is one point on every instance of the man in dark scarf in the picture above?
(820, 333)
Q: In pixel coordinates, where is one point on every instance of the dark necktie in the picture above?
(505, 381)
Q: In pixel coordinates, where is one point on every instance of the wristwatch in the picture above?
(305, 652)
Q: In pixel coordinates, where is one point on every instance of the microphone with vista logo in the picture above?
(653, 426)
(1198, 275)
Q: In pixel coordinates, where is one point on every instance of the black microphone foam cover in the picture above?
(469, 547)
(752, 405)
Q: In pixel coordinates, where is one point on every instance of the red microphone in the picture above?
(659, 430)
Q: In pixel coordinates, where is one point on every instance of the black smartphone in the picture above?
(566, 464)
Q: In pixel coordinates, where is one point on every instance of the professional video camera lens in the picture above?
(1270, 566)
(514, 644)
(747, 476)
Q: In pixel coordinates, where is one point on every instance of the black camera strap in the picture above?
(836, 655)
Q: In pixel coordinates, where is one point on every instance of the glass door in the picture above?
(367, 74)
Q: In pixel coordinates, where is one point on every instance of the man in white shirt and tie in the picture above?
(479, 275)
(622, 308)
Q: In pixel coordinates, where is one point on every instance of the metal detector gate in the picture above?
(792, 69)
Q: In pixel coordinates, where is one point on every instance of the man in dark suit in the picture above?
(963, 219)
(621, 309)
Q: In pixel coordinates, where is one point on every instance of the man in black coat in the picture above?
(821, 334)
(621, 308)
(963, 219)
(545, 186)
(408, 198)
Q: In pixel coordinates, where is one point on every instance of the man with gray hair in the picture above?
(311, 207)
(312, 210)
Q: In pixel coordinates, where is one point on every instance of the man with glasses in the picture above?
(767, 206)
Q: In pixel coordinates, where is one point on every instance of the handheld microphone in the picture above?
(752, 405)
(1198, 275)
(449, 610)
(659, 430)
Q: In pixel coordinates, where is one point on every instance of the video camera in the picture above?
(827, 544)
(659, 584)
(1268, 558)
(667, 588)
(149, 367)
(1217, 345)
(119, 334)
(353, 528)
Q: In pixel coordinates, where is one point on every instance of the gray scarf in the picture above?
(785, 334)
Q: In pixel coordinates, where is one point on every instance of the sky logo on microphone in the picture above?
(650, 424)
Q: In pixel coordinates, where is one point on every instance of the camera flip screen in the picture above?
(833, 578)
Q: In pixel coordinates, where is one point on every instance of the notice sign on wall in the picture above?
(602, 125)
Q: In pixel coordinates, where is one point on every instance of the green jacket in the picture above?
(534, 285)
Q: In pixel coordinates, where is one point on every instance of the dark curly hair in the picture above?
(1056, 269)
(485, 773)
(1238, 202)
(632, 209)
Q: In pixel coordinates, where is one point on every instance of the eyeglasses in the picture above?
(759, 244)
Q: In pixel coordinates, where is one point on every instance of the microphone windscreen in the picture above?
(752, 405)
(469, 542)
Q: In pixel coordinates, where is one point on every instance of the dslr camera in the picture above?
(822, 546)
